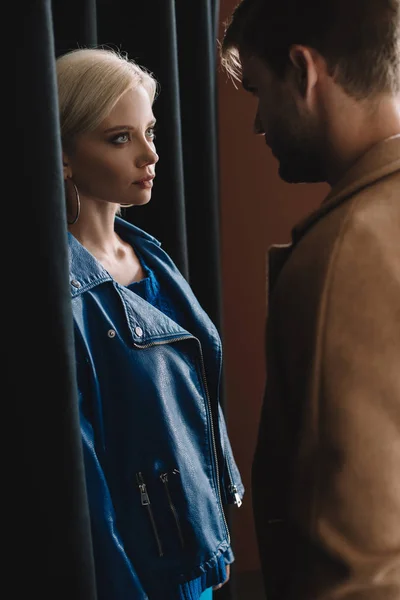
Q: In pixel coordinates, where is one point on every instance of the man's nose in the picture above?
(258, 128)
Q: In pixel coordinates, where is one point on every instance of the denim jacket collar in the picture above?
(147, 324)
(85, 270)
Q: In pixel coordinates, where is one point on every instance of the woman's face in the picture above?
(116, 162)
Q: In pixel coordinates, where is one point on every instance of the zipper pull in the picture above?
(235, 494)
(144, 496)
(145, 500)
(164, 479)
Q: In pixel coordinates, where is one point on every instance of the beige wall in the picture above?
(258, 209)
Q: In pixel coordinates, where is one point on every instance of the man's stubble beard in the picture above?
(300, 148)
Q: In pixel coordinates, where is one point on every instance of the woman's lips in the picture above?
(146, 182)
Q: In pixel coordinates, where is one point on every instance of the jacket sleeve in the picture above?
(356, 501)
(115, 575)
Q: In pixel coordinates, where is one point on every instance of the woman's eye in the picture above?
(121, 138)
(151, 133)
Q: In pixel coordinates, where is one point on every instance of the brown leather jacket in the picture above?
(326, 472)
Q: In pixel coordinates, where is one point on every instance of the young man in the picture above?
(326, 472)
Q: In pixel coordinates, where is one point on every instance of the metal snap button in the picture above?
(139, 331)
(75, 283)
(111, 333)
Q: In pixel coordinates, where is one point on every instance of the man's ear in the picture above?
(305, 68)
(67, 172)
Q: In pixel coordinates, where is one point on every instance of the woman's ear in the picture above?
(66, 166)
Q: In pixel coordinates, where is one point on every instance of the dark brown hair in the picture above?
(359, 39)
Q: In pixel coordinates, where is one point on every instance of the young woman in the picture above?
(158, 462)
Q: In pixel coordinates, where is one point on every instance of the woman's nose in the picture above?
(150, 157)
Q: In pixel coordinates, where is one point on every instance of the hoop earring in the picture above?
(126, 205)
(78, 205)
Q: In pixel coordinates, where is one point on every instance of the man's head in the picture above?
(312, 63)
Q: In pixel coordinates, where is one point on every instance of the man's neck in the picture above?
(359, 128)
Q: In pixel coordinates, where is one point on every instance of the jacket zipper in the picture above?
(232, 488)
(235, 494)
(213, 439)
(145, 500)
(164, 479)
(203, 372)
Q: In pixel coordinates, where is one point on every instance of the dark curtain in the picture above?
(50, 553)
(176, 40)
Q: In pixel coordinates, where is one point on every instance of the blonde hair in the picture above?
(90, 83)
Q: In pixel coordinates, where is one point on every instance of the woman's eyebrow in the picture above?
(128, 127)
(118, 127)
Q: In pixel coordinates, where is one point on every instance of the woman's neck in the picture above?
(95, 231)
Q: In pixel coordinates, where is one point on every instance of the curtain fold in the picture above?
(74, 24)
(176, 40)
(48, 514)
(197, 55)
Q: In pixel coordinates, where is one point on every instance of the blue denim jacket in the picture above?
(158, 462)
